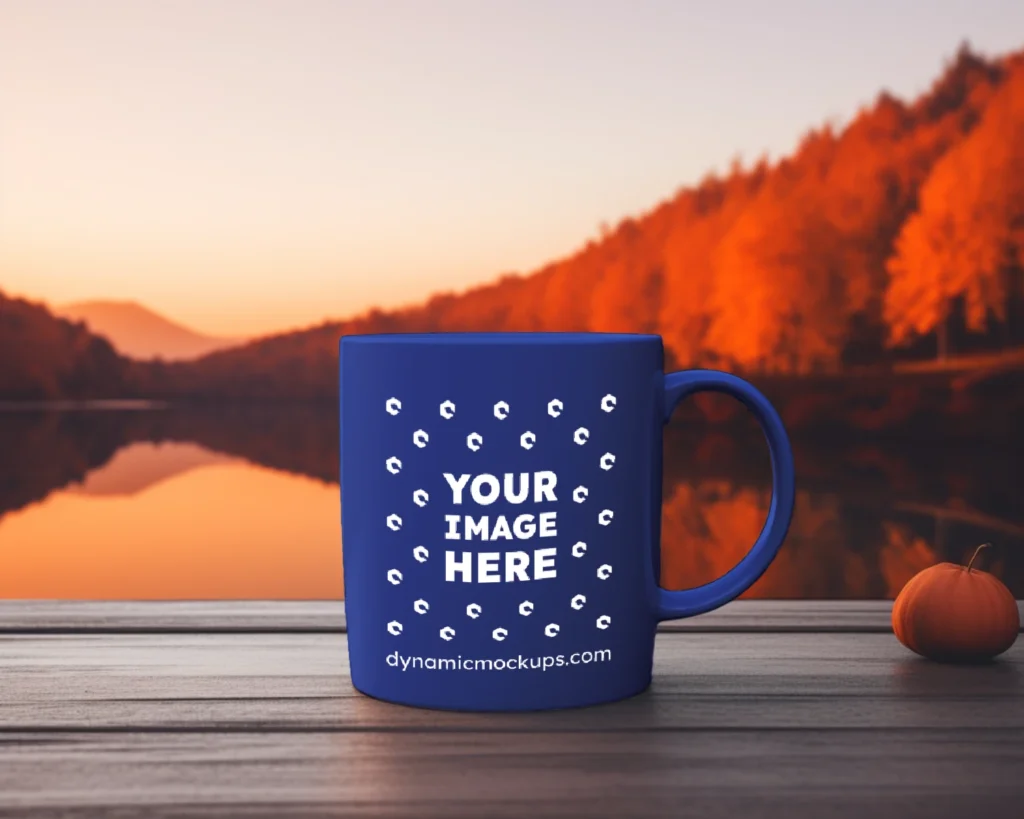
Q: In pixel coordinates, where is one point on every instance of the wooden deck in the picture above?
(245, 709)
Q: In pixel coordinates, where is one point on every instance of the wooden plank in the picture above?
(267, 725)
(806, 616)
(328, 617)
(784, 774)
(285, 683)
(192, 617)
(172, 617)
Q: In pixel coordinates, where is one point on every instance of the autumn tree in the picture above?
(800, 278)
(626, 291)
(778, 300)
(967, 238)
(699, 220)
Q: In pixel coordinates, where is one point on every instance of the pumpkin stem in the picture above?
(975, 555)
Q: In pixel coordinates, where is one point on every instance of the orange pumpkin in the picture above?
(956, 613)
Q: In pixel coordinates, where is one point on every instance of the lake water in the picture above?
(243, 503)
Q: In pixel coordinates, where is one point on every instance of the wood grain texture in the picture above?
(268, 725)
(328, 617)
(187, 617)
(895, 775)
(281, 682)
(183, 617)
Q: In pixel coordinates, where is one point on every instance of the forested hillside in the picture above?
(43, 357)
(899, 235)
(901, 232)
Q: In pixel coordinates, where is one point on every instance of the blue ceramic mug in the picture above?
(501, 510)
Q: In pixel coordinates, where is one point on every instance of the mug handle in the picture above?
(673, 605)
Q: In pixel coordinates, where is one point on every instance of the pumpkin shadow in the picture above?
(922, 678)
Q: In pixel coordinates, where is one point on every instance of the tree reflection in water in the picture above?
(869, 513)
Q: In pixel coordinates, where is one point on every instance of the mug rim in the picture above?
(502, 337)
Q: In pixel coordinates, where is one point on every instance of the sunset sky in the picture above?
(250, 166)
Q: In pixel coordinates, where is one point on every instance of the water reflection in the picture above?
(140, 466)
(196, 528)
(242, 503)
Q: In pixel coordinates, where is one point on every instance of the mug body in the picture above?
(500, 513)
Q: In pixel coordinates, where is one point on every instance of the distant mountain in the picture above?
(144, 464)
(140, 333)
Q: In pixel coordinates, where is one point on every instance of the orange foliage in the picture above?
(775, 268)
(967, 238)
(700, 221)
(861, 237)
(776, 300)
(903, 556)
